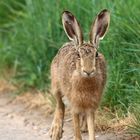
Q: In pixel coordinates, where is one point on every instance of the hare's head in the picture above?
(87, 50)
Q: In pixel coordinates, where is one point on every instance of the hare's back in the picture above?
(64, 63)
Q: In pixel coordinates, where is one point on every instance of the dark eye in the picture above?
(96, 54)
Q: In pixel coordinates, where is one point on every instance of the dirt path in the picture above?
(16, 123)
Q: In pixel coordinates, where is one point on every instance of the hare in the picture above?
(78, 72)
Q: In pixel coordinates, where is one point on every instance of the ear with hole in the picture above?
(72, 28)
(99, 27)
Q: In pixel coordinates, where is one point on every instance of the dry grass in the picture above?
(32, 100)
(107, 121)
(6, 86)
(36, 101)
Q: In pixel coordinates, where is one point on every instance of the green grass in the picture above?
(31, 33)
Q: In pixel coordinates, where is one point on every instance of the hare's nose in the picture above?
(88, 73)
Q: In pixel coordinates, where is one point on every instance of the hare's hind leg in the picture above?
(57, 124)
(83, 123)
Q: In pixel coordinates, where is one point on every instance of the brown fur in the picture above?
(79, 75)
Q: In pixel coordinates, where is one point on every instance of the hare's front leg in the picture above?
(76, 123)
(90, 123)
(57, 124)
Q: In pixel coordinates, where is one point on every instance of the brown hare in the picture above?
(78, 72)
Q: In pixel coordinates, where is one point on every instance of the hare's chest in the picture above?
(84, 94)
(82, 101)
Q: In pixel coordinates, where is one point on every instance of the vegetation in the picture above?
(31, 33)
(134, 128)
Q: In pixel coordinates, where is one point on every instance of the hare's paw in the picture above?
(56, 130)
(84, 127)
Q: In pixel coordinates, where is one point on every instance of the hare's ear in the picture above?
(72, 27)
(99, 27)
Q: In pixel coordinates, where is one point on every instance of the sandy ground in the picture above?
(16, 123)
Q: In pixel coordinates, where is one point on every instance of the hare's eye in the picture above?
(96, 54)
